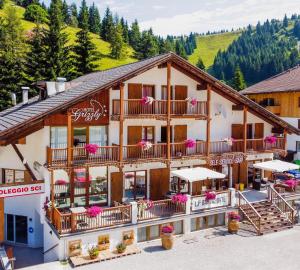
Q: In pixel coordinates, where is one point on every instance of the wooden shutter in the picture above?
(259, 131)
(237, 131)
(159, 183)
(180, 94)
(135, 90)
(116, 187)
(134, 136)
(180, 133)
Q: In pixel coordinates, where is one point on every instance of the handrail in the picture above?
(290, 213)
(257, 225)
(49, 249)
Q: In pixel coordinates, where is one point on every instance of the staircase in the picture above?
(269, 216)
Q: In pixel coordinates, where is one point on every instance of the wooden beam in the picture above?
(285, 139)
(237, 107)
(52, 193)
(2, 225)
(24, 162)
(121, 123)
(69, 139)
(245, 130)
(168, 111)
(208, 120)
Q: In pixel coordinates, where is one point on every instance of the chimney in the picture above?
(60, 84)
(25, 91)
(51, 89)
(13, 99)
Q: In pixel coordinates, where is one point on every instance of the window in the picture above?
(98, 135)
(267, 102)
(164, 92)
(298, 146)
(148, 134)
(148, 90)
(10, 176)
(58, 137)
(135, 185)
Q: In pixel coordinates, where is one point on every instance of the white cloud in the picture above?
(222, 15)
(158, 7)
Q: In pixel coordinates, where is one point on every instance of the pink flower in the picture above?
(147, 100)
(167, 229)
(94, 211)
(234, 216)
(270, 139)
(91, 148)
(291, 183)
(60, 182)
(179, 198)
(145, 145)
(193, 102)
(209, 195)
(190, 143)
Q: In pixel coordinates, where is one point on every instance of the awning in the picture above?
(197, 174)
(276, 166)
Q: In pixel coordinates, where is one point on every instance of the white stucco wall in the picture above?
(293, 138)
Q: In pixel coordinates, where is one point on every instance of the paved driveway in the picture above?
(210, 250)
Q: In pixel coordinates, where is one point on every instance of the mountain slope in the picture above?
(102, 46)
(208, 46)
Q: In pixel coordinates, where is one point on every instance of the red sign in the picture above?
(21, 190)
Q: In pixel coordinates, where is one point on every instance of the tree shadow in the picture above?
(153, 249)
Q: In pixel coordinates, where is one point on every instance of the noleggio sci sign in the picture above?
(21, 190)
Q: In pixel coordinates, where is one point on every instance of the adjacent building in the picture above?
(280, 95)
(111, 139)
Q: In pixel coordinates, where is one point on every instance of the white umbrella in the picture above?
(276, 166)
(197, 174)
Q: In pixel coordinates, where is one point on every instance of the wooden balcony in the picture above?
(110, 154)
(133, 108)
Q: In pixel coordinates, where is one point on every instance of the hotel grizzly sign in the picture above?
(93, 111)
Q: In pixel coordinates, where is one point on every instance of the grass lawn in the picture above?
(208, 46)
(103, 47)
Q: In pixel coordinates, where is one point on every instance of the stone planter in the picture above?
(233, 226)
(167, 240)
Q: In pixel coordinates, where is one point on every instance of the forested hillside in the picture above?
(259, 53)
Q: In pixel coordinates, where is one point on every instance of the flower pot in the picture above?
(233, 226)
(94, 256)
(102, 247)
(121, 250)
(167, 240)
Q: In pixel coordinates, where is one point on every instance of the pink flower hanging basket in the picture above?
(190, 143)
(179, 198)
(91, 148)
(94, 211)
(270, 139)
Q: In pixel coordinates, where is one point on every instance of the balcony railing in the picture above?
(134, 107)
(108, 154)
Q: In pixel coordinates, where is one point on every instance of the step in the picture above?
(276, 229)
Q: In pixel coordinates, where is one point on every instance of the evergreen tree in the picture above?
(134, 35)
(73, 16)
(285, 21)
(107, 26)
(147, 46)
(125, 30)
(65, 12)
(179, 48)
(59, 62)
(200, 63)
(118, 47)
(83, 13)
(296, 29)
(94, 20)
(36, 13)
(85, 50)
(36, 60)
(238, 80)
(12, 51)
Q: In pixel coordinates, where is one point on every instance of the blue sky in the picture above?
(181, 17)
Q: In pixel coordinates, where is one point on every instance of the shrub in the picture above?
(36, 13)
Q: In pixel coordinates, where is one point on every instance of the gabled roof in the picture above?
(15, 119)
(287, 81)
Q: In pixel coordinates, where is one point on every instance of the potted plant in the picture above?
(210, 196)
(103, 242)
(167, 236)
(233, 222)
(91, 148)
(121, 248)
(93, 252)
(128, 238)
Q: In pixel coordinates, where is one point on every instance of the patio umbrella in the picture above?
(197, 174)
(276, 166)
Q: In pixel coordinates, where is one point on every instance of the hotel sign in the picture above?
(200, 203)
(227, 159)
(92, 113)
(21, 190)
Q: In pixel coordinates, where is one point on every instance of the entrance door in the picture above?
(16, 229)
(134, 136)
(116, 187)
(180, 95)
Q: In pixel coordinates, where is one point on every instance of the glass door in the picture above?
(16, 229)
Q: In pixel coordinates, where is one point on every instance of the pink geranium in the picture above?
(291, 183)
(210, 195)
(190, 143)
(145, 145)
(147, 100)
(94, 211)
(91, 148)
(270, 139)
(167, 229)
(60, 182)
(234, 216)
(179, 198)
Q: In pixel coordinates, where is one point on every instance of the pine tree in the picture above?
(125, 30)
(83, 13)
(296, 29)
(238, 80)
(107, 26)
(285, 21)
(179, 48)
(12, 51)
(59, 62)
(85, 50)
(200, 63)
(118, 48)
(94, 20)
(148, 45)
(134, 35)
(65, 12)
(73, 16)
